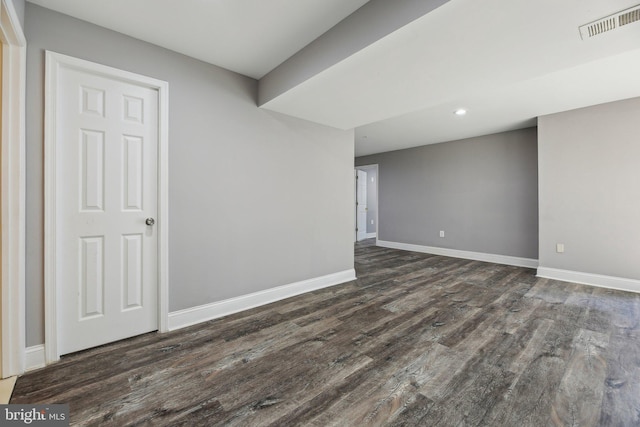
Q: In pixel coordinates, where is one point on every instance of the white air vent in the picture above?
(611, 22)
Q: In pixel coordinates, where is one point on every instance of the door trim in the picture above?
(55, 62)
(12, 284)
(359, 233)
(376, 168)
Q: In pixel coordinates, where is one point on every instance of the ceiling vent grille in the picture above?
(611, 22)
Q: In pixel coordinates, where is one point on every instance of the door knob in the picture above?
(149, 221)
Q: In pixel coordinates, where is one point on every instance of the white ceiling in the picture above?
(506, 61)
(250, 37)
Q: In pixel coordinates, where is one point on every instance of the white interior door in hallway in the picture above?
(361, 205)
(106, 198)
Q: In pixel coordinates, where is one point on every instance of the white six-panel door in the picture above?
(106, 191)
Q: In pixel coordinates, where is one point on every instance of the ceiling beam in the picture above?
(372, 22)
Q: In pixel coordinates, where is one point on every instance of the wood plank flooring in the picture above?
(417, 340)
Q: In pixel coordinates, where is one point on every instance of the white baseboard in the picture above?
(601, 281)
(371, 235)
(191, 316)
(34, 357)
(455, 253)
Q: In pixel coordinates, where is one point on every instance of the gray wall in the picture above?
(481, 191)
(256, 199)
(590, 189)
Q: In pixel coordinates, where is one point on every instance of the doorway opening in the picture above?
(366, 203)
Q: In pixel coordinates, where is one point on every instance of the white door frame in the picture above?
(374, 167)
(54, 62)
(14, 64)
(360, 176)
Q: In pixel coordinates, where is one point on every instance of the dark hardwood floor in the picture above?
(417, 340)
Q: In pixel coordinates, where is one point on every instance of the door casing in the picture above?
(375, 206)
(361, 199)
(12, 283)
(54, 62)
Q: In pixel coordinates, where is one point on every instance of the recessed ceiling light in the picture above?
(460, 112)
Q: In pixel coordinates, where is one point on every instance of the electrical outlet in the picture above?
(560, 247)
(371, 222)
(441, 233)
